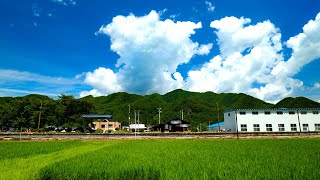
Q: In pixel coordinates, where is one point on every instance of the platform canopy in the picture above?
(96, 116)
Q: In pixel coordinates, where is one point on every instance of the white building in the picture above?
(272, 120)
(137, 127)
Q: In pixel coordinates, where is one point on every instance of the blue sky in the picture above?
(268, 49)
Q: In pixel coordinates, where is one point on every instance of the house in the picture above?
(100, 121)
(174, 125)
(272, 120)
(106, 125)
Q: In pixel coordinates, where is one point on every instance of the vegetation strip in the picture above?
(27, 168)
(171, 159)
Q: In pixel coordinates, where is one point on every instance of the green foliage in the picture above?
(301, 102)
(173, 159)
(66, 111)
(100, 131)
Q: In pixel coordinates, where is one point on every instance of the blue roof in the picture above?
(272, 109)
(216, 125)
(96, 116)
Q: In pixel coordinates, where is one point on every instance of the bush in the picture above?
(100, 131)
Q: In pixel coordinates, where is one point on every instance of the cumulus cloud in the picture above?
(150, 52)
(248, 53)
(252, 55)
(204, 49)
(250, 61)
(306, 48)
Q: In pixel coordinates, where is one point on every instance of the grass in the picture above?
(169, 159)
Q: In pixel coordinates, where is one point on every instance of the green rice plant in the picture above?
(24, 149)
(194, 159)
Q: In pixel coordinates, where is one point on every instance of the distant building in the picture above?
(137, 127)
(174, 125)
(272, 120)
(106, 125)
(100, 121)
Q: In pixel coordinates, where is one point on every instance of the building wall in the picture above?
(289, 121)
(230, 121)
(105, 126)
(310, 118)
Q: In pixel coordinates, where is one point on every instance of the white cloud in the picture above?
(13, 92)
(150, 51)
(316, 85)
(14, 82)
(252, 54)
(104, 80)
(250, 59)
(204, 49)
(247, 55)
(66, 2)
(210, 6)
(306, 48)
(36, 10)
(7, 75)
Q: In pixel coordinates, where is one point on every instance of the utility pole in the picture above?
(138, 119)
(218, 117)
(135, 123)
(181, 112)
(159, 111)
(129, 119)
(39, 116)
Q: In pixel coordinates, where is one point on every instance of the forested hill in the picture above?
(197, 107)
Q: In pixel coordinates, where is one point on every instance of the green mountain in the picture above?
(197, 108)
(300, 102)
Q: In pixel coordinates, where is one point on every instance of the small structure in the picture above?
(272, 120)
(215, 127)
(106, 125)
(174, 125)
(137, 127)
(101, 122)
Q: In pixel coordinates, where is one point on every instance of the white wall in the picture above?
(309, 119)
(262, 119)
(229, 121)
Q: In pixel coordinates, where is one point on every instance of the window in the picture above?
(256, 127)
(110, 125)
(242, 113)
(103, 126)
(305, 127)
(279, 112)
(243, 127)
(291, 112)
(281, 127)
(269, 127)
(293, 127)
(228, 114)
(267, 113)
(255, 113)
(317, 127)
(315, 112)
(303, 112)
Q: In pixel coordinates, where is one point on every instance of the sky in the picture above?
(269, 49)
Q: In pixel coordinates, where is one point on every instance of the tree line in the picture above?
(36, 112)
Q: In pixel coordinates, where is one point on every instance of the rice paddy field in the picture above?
(162, 159)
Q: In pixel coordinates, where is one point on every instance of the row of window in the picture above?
(256, 127)
(278, 112)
